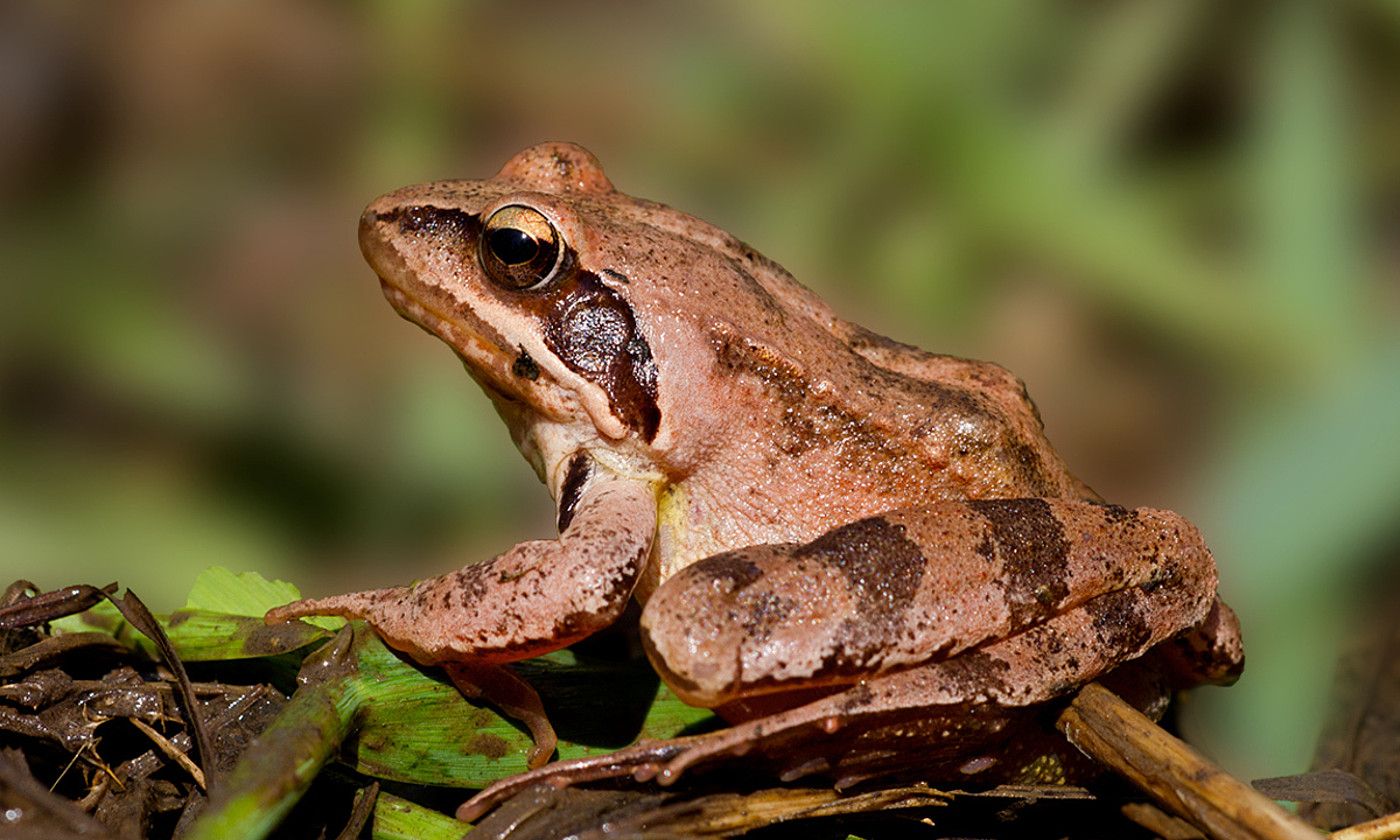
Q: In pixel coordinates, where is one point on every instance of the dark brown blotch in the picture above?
(575, 478)
(1114, 514)
(525, 367)
(1034, 554)
(595, 334)
(1118, 620)
(1030, 468)
(733, 566)
(884, 568)
(856, 697)
(488, 745)
(763, 612)
(976, 672)
(424, 218)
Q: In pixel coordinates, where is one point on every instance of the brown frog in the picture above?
(866, 555)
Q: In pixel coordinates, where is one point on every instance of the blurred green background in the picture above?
(1178, 221)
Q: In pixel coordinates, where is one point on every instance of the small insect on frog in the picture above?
(863, 555)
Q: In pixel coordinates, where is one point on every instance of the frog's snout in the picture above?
(367, 223)
(373, 238)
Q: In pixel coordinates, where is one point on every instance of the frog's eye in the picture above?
(519, 247)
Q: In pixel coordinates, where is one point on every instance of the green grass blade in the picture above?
(1309, 247)
(281, 764)
(400, 819)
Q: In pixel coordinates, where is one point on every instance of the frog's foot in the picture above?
(506, 690)
(1211, 652)
(353, 605)
(792, 740)
(790, 735)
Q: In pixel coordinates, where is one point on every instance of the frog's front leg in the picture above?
(537, 597)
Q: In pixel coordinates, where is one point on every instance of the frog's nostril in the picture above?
(367, 221)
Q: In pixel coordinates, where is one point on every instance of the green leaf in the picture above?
(246, 593)
(102, 616)
(199, 635)
(414, 726)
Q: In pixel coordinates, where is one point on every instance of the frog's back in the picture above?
(990, 428)
(963, 428)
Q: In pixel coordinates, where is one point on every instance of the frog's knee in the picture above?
(693, 627)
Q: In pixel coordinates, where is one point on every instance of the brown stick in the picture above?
(171, 750)
(1180, 779)
(1383, 828)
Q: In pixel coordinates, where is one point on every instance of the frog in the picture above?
(861, 554)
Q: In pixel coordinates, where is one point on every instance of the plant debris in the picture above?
(105, 730)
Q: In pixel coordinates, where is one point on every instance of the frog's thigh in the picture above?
(919, 585)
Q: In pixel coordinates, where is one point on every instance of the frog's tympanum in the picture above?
(865, 556)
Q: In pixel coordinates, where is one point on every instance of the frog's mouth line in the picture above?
(494, 368)
(443, 325)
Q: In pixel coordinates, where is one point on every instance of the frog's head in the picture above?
(492, 268)
(570, 301)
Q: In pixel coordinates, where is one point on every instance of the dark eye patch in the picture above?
(593, 331)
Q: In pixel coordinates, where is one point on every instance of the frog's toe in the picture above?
(734, 742)
(626, 762)
(352, 605)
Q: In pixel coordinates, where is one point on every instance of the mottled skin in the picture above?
(825, 526)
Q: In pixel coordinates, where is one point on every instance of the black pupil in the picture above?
(513, 246)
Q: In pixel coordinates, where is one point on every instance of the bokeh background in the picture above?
(1179, 222)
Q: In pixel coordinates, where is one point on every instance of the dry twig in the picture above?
(1176, 776)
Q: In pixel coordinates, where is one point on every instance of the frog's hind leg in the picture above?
(941, 717)
(970, 698)
(1023, 601)
(918, 585)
